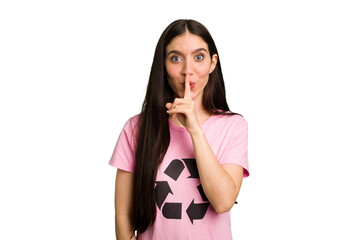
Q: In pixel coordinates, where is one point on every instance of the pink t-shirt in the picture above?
(183, 211)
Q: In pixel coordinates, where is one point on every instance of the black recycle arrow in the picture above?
(172, 210)
(162, 189)
(192, 167)
(174, 169)
(197, 211)
(202, 193)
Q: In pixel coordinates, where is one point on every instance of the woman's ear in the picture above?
(214, 60)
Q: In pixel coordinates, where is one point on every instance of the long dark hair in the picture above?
(153, 124)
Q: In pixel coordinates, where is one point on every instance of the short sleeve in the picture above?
(236, 150)
(123, 156)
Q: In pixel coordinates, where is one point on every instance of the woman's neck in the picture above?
(202, 114)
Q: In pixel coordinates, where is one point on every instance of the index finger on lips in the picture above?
(187, 94)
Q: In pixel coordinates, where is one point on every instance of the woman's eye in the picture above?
(175, 59)
(199, 57)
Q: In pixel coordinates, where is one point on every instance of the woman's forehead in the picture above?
(186, 42)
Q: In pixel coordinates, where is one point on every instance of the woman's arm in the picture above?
(124, 205)
(221, 183)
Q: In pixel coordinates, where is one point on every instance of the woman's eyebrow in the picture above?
(199, 49)
(179, 53)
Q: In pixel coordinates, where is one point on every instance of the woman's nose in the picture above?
(187, 68)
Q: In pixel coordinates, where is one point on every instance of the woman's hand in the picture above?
(184, 110)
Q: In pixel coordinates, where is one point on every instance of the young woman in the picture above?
(181, 161)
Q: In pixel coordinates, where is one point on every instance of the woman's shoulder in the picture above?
(134, 119)
(230, 117)
(229, 122)
(234, 125)
(131, 123)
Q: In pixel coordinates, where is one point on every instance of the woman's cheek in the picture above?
(203, 70)
(172, 69)
(172, 84)
(171, 77)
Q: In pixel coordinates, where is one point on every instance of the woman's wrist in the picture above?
(196, 132)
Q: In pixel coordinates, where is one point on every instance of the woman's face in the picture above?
(188, 54)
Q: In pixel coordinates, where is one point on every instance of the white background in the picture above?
(72, 72)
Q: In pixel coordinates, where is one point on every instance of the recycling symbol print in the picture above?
(173, 210)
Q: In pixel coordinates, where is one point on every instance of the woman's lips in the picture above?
(192, 84)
